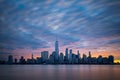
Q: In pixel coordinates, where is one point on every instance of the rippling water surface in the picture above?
(59, 72)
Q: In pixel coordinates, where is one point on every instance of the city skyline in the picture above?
(67, 51)
(31, 26)
(59, 58)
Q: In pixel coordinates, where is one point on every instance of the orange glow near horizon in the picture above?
(95, 53)
(27, 52)
(116, 61)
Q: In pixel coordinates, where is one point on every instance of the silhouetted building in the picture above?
(79, 58)
(78, 53)
(94, 60)
(111, 59)
(10, 59)
(22, 60)
(105, 60)
(44, 56)
(89, 58)
(66, 54)
(52, 58)
(55, 58)
(32, 59)
(15, 61)
(84, 59)
(70, 56)
(56, 50)
(61, 58)
(99, 59)
(39, 60)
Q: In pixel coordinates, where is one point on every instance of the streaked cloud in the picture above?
(78, 24)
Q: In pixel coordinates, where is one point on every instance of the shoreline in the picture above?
(59, 64)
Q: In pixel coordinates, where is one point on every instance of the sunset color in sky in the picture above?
(31, 26)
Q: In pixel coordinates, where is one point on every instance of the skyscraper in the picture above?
(61, 58)
(89, 54)
(111, 59)
(10, 59)
(22, 60)
(56, 49)
(78, 54)
(44, 55)
(70, 56)
(89, 57)
(32, 59)
(66, 53)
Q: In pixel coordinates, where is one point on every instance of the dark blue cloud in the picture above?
(35, 23)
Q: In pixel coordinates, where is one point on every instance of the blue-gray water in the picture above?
(59, 72)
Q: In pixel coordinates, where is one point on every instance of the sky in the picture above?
(31, 26)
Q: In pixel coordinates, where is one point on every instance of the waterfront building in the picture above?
(61, 58)
(10, 59)
(70, 56)
(56, 50)
(44, 56)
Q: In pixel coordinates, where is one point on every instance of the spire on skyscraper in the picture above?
(32, 56)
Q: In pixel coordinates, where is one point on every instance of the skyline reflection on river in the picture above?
(59, 72)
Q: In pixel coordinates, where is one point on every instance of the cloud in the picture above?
(35, 24)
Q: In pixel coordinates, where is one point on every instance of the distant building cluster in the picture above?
(56, 58)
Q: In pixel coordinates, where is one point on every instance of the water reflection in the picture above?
(59, 72)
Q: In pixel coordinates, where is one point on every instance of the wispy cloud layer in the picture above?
(35, 23)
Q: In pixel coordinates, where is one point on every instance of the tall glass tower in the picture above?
(66, 53)
(56, 49)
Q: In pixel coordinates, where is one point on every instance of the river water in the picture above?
(59, 72)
